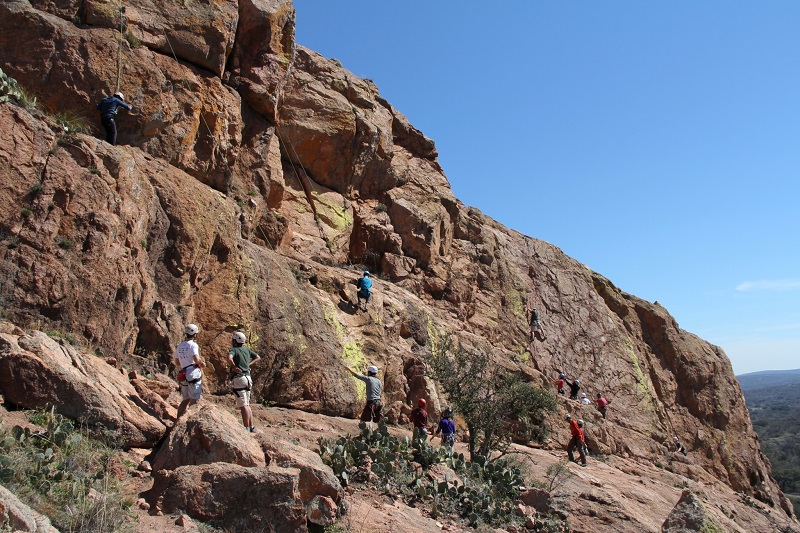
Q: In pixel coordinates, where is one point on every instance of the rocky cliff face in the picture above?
(251, 177)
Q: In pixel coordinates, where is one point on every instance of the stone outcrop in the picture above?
(688, 516)
(207, 434)
(232, 496)
(37, 371)
(16, 516)
(244, 191)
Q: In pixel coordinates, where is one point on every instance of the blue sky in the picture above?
(656, 142)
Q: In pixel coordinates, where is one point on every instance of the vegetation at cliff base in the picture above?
(62, 473)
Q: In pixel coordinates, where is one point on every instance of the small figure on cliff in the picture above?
(190, 376)
(447, 428)
(678, 446)
(419, 417)
(533, 320)
(364, 285)
(240, 357)
(577, 441)
(585, 445)
(602, 404)
(108, 108)
(584, 399)
(559, 383)
(574, 388)
(372, 411)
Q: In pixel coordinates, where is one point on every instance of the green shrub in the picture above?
(400, 468)
(11, 91)
(71, 122)
(62, 473)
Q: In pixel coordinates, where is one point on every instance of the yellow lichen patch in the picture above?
(354, 358)
(522, 355)
(333, 214)
(296, 304)
(333, 320)
(515, 303)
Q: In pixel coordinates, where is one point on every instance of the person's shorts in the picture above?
(192, 391)
(242, 396)
(536, 325)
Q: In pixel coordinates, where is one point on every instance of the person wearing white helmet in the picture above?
(574, 388)
(372, 411)
(108, 108)
(577, 441)
(364, 286)
(190, 376)
(240, 357)
(584, 399)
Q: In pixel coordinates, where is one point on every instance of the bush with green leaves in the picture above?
(11, 91)
(61, 472)
(480, 492)
(497, 406)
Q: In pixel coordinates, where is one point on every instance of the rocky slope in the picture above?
(252, 176)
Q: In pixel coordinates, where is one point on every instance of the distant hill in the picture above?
(768, 379)
(774, 407)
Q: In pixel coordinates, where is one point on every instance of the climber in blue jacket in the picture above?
(108, 109)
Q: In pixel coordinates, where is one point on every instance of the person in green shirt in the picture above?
(239, 358)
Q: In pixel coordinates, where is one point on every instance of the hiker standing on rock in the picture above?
(577, 441)
(574, 388)
(108, 108)
(419, 417)
(372, 411)
(602, 404)
(190, 376)
(240, 357)
(364, 286)
(585, 400)
(535, 324)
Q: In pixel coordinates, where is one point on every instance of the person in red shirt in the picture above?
(602, 404)
(577, 441)
(559, 383)
(419, 417)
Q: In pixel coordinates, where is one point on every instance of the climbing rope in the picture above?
(119, 46)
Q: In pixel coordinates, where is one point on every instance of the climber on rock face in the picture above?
(364, 285)
(574, 388)
(240, 357)
(559, 383)
(678, 446)
(577, 441)
(602, 404)
(108, 108)
(584, 399)
(534, 322)
(372, 411)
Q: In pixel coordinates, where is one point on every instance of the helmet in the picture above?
(567, 416)
(366, 272)
(421, 402)
(580, 422)
(239, 337)
(119, 95)
(577, 382)
(675, 439)
(583, 395)
(372, 369)
(192, 330)
(447, 412)
(599, 394)
(562, 376)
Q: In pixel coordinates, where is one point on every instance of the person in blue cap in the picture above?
(364, 285)
(108, 108)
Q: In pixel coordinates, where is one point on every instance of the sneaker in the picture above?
(251, 429)
(583, 464)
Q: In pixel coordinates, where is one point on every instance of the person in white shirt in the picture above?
(190, 376)
(584, 399)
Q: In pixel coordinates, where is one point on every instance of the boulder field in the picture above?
(252, 181)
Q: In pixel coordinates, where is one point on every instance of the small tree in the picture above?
(497, 406)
